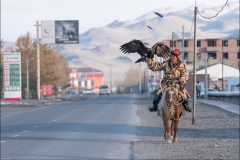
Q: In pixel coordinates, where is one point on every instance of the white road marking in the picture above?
(15, 135)
(3, 141)
(54, 120)
(25, 131)
(35, 126)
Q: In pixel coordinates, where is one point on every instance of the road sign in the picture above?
(12, 76)
(47, 90)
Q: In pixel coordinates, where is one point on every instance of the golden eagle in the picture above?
(159, 49)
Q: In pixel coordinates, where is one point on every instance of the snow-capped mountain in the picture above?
(99, 47)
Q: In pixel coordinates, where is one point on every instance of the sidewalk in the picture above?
(46, 101)
(226, 106)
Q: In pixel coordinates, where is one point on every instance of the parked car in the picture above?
(81, 91)
(88, 91)
(202, 92)
(104, 90)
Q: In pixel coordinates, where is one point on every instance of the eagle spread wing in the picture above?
(162, 50)
(139, 47)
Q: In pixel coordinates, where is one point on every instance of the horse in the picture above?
(170, 109)
(68, 33)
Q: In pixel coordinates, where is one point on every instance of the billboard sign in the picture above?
(12, 76)
(60, 32)
(47, 90)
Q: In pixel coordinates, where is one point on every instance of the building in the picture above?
(219, 76)
(86, 78)
(214, 49)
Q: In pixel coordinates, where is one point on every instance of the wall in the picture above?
(228, 97)
(189, 84)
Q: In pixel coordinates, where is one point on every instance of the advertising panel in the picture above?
(12, 76)
(48, 32)
(60, 32)
(47, 90)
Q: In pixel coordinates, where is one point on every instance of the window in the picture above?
(211, 43)
(213, 55)
(199, 56)
(225, 42)
(238, 55)
(225, 55)
(198, 43)
(174, 44)
(185, 43)
(238, 42)
(185, 55)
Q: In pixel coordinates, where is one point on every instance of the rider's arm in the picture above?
(183, 74)
(155, 66)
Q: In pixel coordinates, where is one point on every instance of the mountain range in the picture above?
(99, 47)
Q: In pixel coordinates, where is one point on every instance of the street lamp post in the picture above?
(160, 15)
(28, 60)
(223, 44)
(140, 85)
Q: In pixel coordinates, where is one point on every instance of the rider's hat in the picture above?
(176, 52)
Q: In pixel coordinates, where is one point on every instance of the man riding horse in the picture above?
(174, 70)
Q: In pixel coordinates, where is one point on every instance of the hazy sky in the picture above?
(19, 16)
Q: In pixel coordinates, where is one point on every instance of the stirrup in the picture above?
(151, 109)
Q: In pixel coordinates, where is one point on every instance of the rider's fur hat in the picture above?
(176, 52)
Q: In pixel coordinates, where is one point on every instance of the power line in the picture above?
(215, 14)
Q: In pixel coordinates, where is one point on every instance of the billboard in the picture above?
(60, 32)
(47, 90)
(12, 76)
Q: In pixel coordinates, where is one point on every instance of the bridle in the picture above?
(173, 101)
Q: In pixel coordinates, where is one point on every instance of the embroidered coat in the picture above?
(172, 71)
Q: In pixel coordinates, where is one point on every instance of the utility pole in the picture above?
(194, 67)
(183, 44)
(206, 79)
(38, 62)
(111, 78)
(140, 87)
(93, 77)
(172, 40)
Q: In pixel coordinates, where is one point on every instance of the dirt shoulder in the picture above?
(215, 134)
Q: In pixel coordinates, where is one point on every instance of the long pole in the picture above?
(140, 87)
(222, 65)
(206, 80)
(38, 63)
(172, 40)
(182, 44)
(27, 82)
(194, 67)
(110, 78)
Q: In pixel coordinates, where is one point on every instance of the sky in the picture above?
(19, 16)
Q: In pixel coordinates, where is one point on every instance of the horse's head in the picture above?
(171, 95)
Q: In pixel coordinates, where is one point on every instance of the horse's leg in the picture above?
(168, 131)
(172, 128)
(175, 137)
(165, 131)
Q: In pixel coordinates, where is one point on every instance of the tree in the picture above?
(53, 66)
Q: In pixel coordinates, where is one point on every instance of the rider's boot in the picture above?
(186, 105)
(156, 99)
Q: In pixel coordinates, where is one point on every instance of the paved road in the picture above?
(116, 127)
(100, 127)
